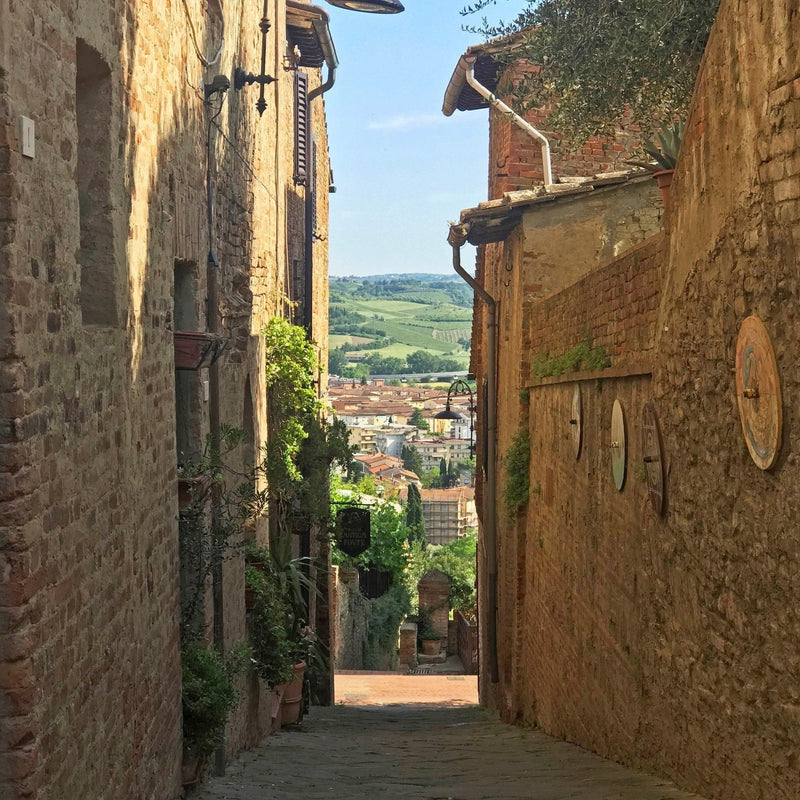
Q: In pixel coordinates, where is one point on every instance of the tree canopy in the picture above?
(417, 419)
(597, 58)
(415, 521)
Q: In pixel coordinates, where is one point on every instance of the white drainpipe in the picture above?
(497, 103)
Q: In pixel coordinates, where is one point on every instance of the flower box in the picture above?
(195, 349)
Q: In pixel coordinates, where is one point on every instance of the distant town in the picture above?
(400, 440)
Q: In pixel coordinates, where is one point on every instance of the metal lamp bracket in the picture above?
(242, 78)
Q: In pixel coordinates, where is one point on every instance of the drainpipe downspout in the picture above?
(515, 118)
(321, 26)
(328, 51)
(457, 238)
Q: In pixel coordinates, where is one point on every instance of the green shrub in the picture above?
(517, 468)
(386, 613)
(269, 621)
(208, 696)
(584, 356)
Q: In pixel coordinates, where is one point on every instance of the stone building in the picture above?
(642, 602)
(140, 195)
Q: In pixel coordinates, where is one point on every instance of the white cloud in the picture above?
(403, 122)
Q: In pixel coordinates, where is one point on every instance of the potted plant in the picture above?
(208, 695)
(664, 152)
(428, 636)
(268, 620)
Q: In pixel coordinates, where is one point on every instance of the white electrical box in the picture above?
(27, 136)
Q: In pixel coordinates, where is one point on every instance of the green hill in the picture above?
(376, 322)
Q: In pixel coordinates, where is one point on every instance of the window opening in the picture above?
(96, 255)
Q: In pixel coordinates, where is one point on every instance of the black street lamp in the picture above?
(241, 78)
(459, 386)
(370, 6)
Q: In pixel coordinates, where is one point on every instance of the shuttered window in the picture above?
(312, 184)
(301, 127)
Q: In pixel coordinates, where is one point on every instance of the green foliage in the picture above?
(418, 420)
(386, 365)
(386, 613)
(411, 459)
(431, 479)
(425, 629)
(290, 363)
(208, 695)
(388, 550)
(337, 360)
(269, 621)
(415, 521)
(517, 472)
(664, 148)
(456, 559)
(584, 356)
(598, 57)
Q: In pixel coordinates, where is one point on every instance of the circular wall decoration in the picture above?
(758, 392)
(618, 445)
(653, 457)
(576, 421)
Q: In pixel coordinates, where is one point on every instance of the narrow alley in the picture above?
(422, 737)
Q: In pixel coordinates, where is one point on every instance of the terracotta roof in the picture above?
(488, 59)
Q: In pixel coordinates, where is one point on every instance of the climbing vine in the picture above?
(584, 356)
(517, 471)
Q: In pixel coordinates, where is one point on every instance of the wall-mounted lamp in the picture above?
(460, 386)
(241, 78)
(370, 6)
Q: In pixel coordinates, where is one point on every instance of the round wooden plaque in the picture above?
(618, 445)
(758, 393)
(576, 421)
(653, 457)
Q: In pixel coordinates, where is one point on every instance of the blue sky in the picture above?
(402, 169)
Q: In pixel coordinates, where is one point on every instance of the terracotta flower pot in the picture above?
(664, 181)
(431, 647)
(191, 769)
(292, 701)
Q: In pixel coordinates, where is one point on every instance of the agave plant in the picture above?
(663, 149)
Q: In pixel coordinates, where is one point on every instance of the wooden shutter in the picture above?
(301, 132)
(312, 184)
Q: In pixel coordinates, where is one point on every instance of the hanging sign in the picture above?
(352, 530)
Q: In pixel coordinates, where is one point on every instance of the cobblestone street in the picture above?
(405, 737)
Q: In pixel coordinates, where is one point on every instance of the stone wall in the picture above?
(89, 600)
(670, 643)
(352, 614)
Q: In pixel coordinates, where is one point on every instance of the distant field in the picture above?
(409, 312)
(339, 339)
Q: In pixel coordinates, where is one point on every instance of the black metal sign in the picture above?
(352, 530)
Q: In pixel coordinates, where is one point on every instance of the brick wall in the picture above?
(615, 306)
(89, 595)
(515, 159)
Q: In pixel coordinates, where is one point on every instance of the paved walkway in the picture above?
(408, 737)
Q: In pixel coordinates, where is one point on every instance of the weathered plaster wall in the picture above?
(89, 662)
